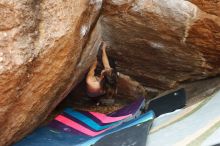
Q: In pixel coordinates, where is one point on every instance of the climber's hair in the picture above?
(109, 82)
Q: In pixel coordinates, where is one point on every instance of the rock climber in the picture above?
(104, 86)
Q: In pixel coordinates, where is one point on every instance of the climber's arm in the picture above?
(92, 69)
(105, 57)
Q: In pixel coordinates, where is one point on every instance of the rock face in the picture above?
(45, 49)
(47, 46)
(162, 43)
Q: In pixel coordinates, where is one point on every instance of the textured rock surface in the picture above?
(130, 89)
(162, 43)
(45, 48)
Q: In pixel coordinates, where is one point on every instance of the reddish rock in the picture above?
(162, 43)
(45, 49)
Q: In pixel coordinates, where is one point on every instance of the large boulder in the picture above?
(162, 43)
(47, 46)
(45, 49)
